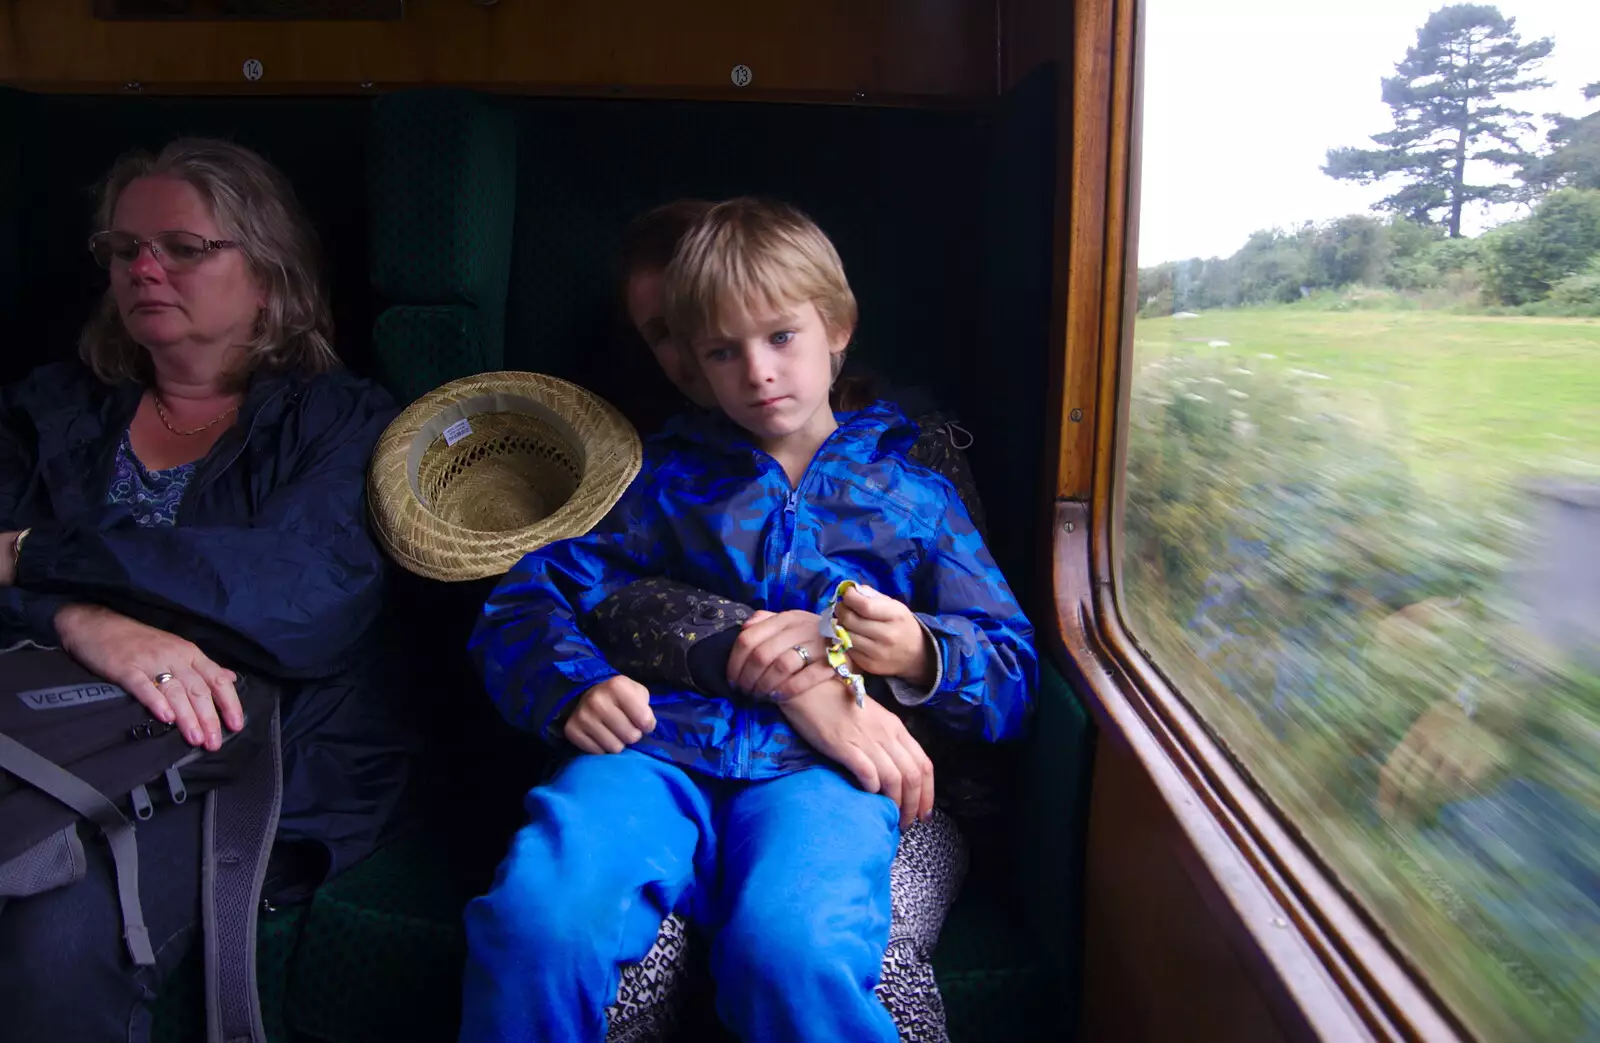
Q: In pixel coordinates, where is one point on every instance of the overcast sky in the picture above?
(1243, 98)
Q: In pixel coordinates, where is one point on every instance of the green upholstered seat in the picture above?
(181, 1009)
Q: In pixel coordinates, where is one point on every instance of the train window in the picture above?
(1361, 529)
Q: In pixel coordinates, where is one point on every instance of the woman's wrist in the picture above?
(67, 616)
(11, 542)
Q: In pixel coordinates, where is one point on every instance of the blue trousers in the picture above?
(789, 877)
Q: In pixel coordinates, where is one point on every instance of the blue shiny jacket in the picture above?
(712, 510)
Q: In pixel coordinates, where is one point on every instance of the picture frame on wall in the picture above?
(250, 10)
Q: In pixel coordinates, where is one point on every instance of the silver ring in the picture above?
(163, 677)
(804, 654)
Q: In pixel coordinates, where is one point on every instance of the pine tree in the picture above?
(1446, 96)
(1574, 157)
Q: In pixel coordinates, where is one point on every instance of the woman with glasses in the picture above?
(184, 501)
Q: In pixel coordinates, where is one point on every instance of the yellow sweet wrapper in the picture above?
(838, 639)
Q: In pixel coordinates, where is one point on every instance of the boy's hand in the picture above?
(869, 742)
(612, 715)
(886, 638)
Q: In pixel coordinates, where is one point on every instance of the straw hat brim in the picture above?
(574, 427)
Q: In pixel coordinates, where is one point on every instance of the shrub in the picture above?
(1524, 260)
(1578, 294)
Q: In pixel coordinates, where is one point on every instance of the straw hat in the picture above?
(478, 472)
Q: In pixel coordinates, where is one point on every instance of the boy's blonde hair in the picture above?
(755, 254)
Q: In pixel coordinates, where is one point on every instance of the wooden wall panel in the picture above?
(1157, 962)
(829, 49)
(1073, 37)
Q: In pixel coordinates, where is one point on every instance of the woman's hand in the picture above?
(129, 654)
(869, 742)
(610, 716)
(764, 663)
(885, 637)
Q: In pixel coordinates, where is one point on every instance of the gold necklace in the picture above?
(161, 411)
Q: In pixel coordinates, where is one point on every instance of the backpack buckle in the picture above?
(151, 729)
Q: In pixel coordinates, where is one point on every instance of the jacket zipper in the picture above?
(791, 522)
(191, 496)
(741, 742)
(791, 512)
(744, 722)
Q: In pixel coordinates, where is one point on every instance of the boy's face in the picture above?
(645, 305)
(771, 371)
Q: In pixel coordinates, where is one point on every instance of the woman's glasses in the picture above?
(175, 251)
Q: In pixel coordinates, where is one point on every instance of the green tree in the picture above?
(1574, 157)
(1523, 260)
(1273, 265)
(1446, 96)
(1352, 249)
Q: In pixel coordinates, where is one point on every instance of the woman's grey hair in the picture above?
(254, 205)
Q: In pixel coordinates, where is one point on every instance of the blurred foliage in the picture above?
(1350, 640)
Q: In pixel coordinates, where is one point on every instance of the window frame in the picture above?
(1327, 954)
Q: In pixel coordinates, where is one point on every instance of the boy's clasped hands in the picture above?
(781, 657)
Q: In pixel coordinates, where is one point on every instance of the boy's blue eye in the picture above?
(783, 337)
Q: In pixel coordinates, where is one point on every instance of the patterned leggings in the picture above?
(926, 875)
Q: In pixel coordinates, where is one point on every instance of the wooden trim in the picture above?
(1092, 136)
(1324, 957)
(531, 90)
(905, 48)
(1109, 447)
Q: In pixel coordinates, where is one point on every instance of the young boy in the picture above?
(717, 807)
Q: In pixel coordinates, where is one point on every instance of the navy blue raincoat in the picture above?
(270, 567)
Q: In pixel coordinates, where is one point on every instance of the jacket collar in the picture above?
(265, 399)
(75, 426)
(77, 416)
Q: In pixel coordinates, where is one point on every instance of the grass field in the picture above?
(1269, 544)
(1470, 399)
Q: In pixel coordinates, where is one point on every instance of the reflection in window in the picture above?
(1362, 496)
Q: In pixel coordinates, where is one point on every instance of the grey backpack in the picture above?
(81, 756)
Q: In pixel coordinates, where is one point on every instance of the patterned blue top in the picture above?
(152, 496)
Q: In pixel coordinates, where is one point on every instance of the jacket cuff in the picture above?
(908, 694)
(29, 619)
(40, 552)
(41, 611)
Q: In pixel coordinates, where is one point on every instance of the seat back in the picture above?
(441, 182)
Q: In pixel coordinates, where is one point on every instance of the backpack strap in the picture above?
(89, 802)
(239, 825)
